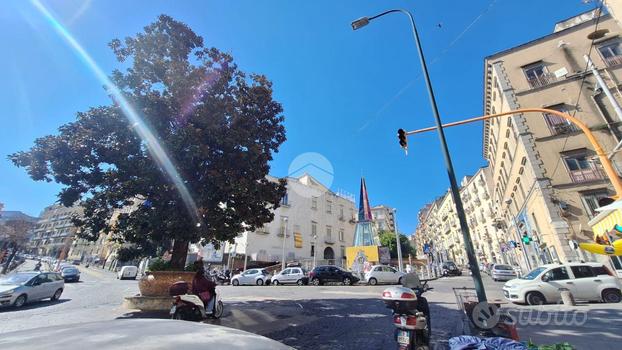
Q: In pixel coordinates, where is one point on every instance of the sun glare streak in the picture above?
(143, 131)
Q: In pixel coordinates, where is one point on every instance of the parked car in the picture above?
(127, 272)
(20, 288)
(586, 281)
(329, 273)
(502, 272)
(251, 277)
(76, 262)
(70, 274)
(291, 275)
(383, 274)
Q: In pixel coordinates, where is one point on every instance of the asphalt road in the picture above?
(326, 317)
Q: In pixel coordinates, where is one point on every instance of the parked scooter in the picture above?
(411, 313)
(190, 307)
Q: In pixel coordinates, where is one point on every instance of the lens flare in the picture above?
(155, 148)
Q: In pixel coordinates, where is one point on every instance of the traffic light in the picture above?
(401, 135)
(526, 239)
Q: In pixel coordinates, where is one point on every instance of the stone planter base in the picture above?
(148, 303)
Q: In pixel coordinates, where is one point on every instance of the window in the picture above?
(314, 203)
(581, 169)
(557, 274)
(537, 75)
(590, 201)
(600, 270)
(341, 212)
(582, 271)
(341, 235)
(313, 229)
(558, 125)
(329, 206)
(285, 199)
(312, 250)
(342, 250)
(611, 53)
(329, 231)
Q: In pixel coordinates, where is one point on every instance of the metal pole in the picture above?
(520, 241)
(398, 241)
(314, 249)
(284, 234)
(455, 191)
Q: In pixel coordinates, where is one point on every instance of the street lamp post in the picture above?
(314, 248)
(397, 237)
(455, 191)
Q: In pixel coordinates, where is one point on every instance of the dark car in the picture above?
(70, 274)
(329, 273)
(449, 268)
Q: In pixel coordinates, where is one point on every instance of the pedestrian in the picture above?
(408, 268)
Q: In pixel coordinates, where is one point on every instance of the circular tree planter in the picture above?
(156, 283)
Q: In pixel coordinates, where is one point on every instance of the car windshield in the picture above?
(17, 278)
(534, 273)
(69, 271)
(503, 267)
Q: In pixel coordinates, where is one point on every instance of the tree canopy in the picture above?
(219, 125)
(387, 239)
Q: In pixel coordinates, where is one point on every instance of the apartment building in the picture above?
(384, 218)
(54, 231)
(545, 179)
(312, 222)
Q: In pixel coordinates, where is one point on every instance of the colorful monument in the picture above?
(366, 250)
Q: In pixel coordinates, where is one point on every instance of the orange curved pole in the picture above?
(604, 160)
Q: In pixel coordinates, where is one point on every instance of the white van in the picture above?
(586, 281)
(127, 272)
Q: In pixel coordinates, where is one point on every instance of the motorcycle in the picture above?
(411, 314)
(190, 307)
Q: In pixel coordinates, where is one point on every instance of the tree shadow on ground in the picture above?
(33, 305)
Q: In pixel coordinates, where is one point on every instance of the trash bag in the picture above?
(468, 342)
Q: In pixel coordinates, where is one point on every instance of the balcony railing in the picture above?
(613, 60)
(586, 175)
(541, 80)
(329, 240)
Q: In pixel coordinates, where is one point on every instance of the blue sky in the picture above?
(344, 93)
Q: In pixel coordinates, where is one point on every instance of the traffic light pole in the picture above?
(520, 241)
(455, 191)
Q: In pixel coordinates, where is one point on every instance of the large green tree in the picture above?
(219, 125)
(387, 239)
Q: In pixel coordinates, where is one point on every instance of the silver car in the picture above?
(20, 288)
(252, 277)
(501, 272)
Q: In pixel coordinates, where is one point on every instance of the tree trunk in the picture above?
(10, 258)
(180, 251)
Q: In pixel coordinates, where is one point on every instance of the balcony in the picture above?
(342, 218)
(329, 239)
(541, 80)
(613, 61)
(586, 175)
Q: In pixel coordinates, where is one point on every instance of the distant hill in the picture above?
(7, 215)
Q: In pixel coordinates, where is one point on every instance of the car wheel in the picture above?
(20, 301)
(300, 282)
(56, 295)
(399, 281)
(347, 281)
(535, 298)
(260, 282)
(275, 282)
(235, 282)
(316, 281)
(372, 281)
(612, 296)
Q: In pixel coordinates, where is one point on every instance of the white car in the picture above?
(127, 272)
(291, 275)
(383, 274)
(502, 272)
(251, 277)
(586, 281)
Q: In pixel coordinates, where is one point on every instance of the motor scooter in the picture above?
(411, 313)
(190, 307)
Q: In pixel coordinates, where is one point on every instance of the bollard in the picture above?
(567, 297)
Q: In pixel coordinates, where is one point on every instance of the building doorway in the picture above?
(329, 254)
